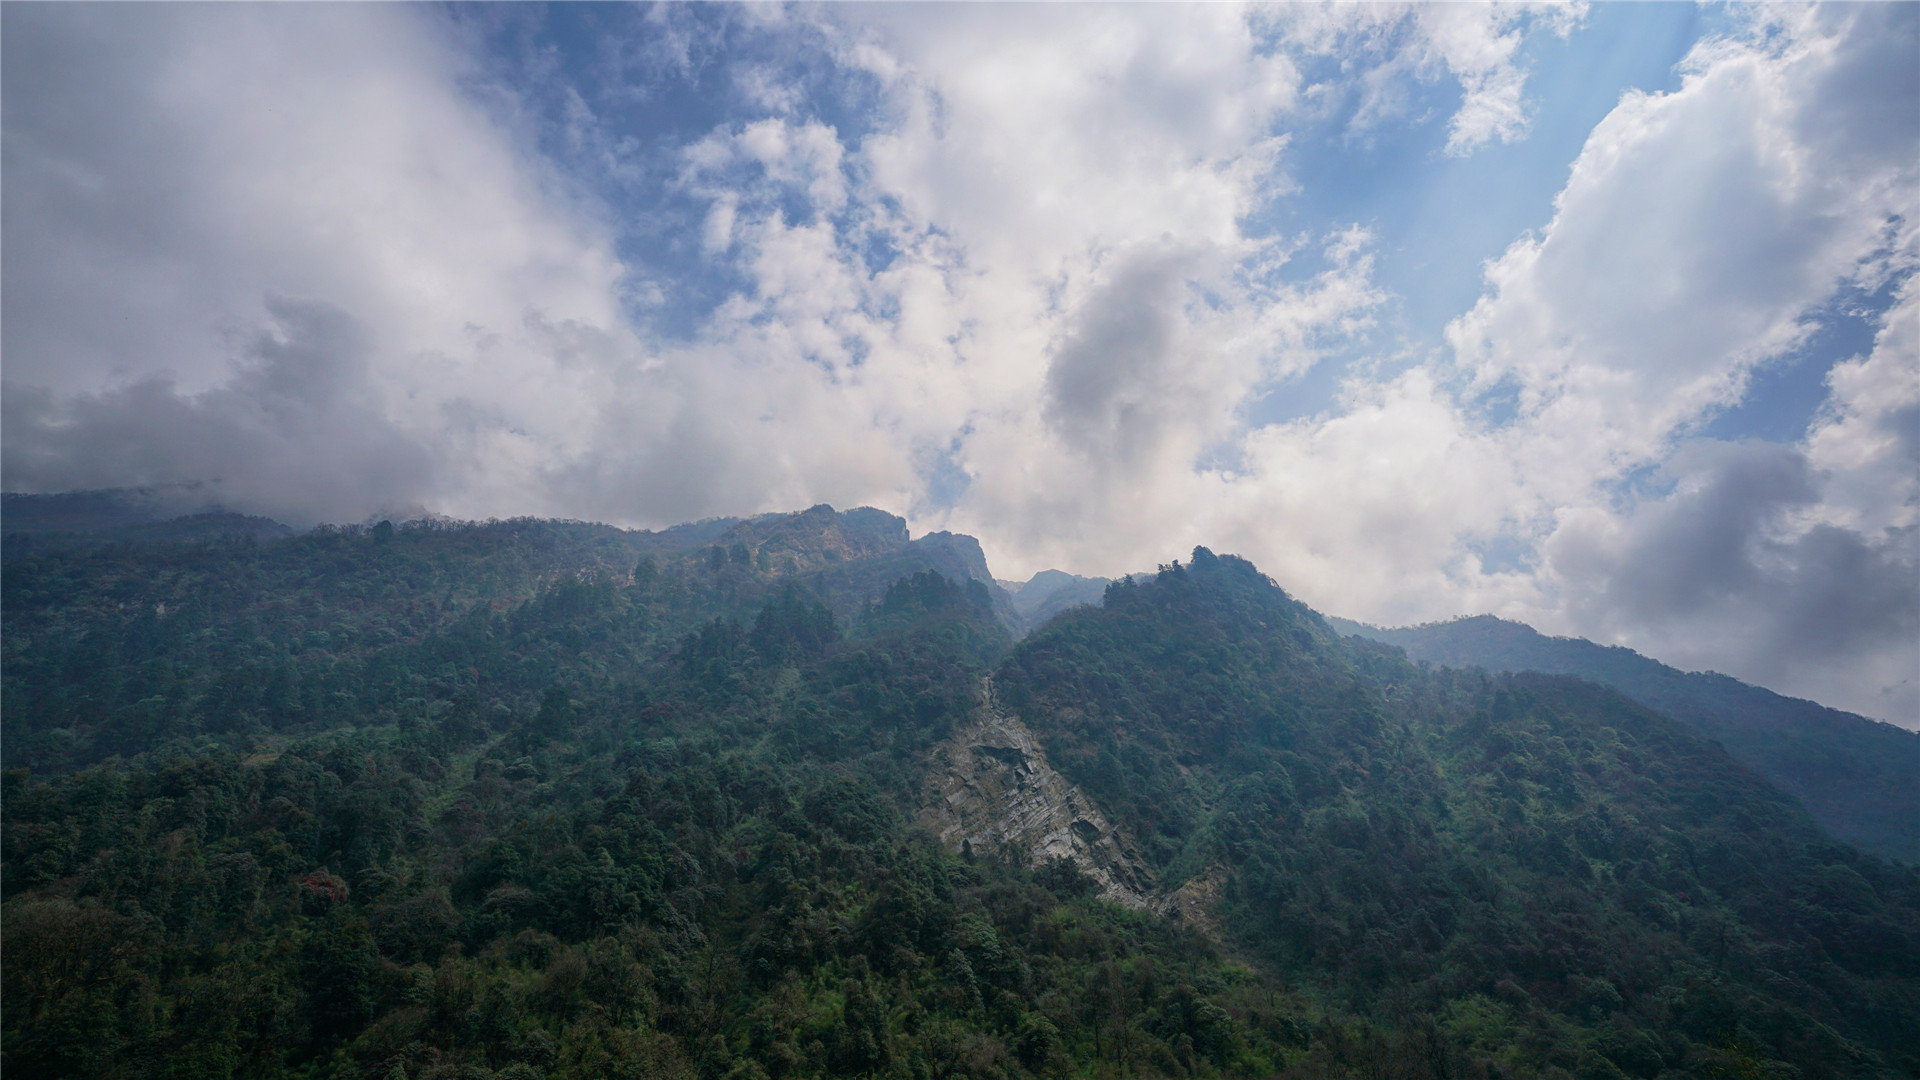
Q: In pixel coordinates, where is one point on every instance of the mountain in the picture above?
(36, 523)
(857, 553)
(96, 511)
(549, 799)
(228, 599)
(1859, 778)
(1050, 592)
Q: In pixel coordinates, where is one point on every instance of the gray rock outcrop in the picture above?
(990, 787)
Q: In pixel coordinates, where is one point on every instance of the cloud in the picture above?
(1700, 235)
(1866, 441)
(1378, 508)
(1397, 46)
(1046, 137)
(1693, 548)
(1722, 574)
(298, 432)
(1698, 232)
(1109, 383)
(1023, 272)
(170, 169)
(959, 288)
(941, 287)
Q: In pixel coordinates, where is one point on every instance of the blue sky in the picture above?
(1602, 318)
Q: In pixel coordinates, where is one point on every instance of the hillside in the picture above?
(1858, 777)
(783, 798)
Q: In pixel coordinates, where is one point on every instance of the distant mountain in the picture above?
(36, 523)
(1859, 778)
(94, 511)
(1050, 592)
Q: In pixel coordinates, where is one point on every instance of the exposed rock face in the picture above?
(990, 787)
(1192, 903)
(818, 537)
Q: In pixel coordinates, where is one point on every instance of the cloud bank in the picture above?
(1023, 272)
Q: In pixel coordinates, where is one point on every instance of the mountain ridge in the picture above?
(544, 799)
(1859, 777)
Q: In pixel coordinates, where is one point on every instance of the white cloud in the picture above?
(1375, 509)
(1028, 271)
(1697, 233)
(1396, 46)
(1866, 442)
(1698, 237)
(1027, 173)
(169, 168)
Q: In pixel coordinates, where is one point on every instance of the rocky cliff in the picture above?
(990, 788)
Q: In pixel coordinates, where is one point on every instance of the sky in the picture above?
(1601, 318)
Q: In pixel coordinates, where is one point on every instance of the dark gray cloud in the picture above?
(1718, 571)
(298, 432)
(1107, 382)
(1844, 592)
(1703, 545)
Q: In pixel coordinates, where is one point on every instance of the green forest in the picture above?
(536, 799)
(1859, 778)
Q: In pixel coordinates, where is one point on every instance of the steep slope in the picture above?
(544, 839)
(1534, 861)
(538, 799)
(989, 788)
(1858, 777)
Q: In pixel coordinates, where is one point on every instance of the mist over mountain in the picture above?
(789, 796)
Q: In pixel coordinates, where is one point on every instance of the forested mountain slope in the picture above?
(85, 519)
(1858, 777)
(114, 645)
(539, 799)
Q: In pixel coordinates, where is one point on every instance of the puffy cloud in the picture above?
(1381, 508)
(801, 159)
(1029, 276)
(1043, 137)
(1699, 236)
(1866, 442)
(1697, 233)
(940, 291)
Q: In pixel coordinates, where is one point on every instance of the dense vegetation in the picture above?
(548, 800)
(1859, 778)
(1549, 871)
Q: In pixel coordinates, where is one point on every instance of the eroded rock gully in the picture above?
(990, 786)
